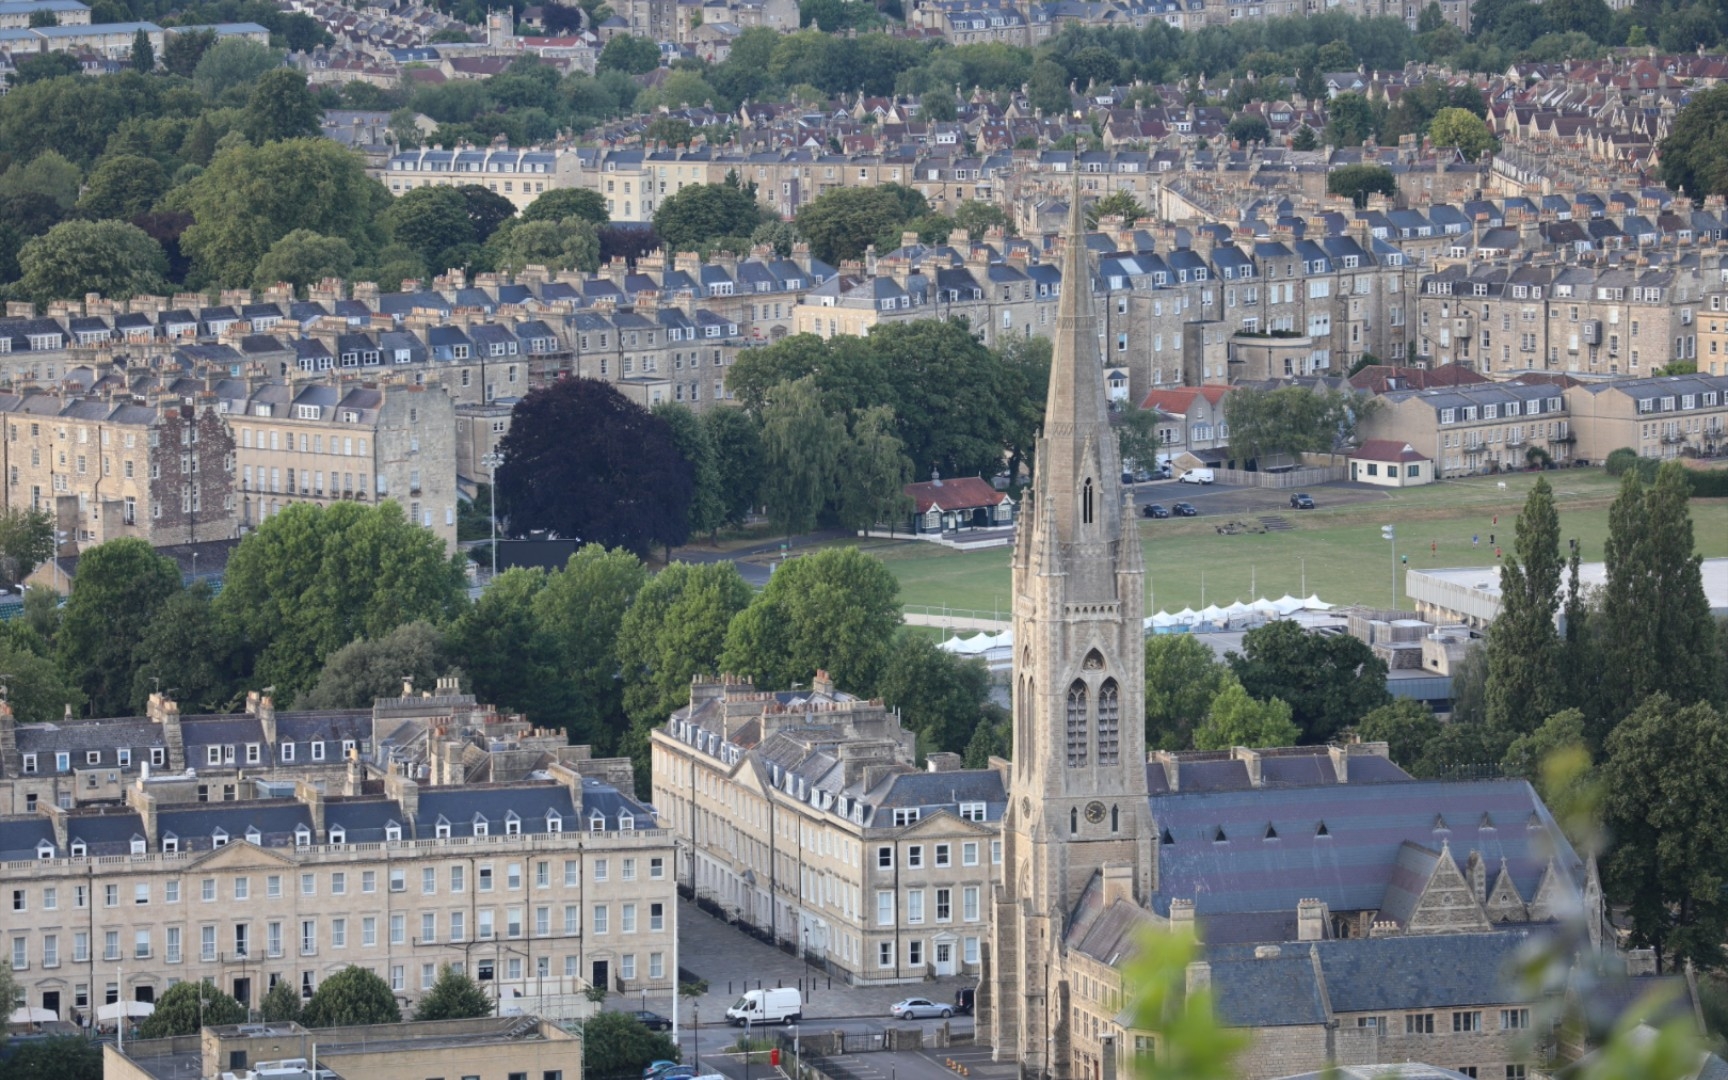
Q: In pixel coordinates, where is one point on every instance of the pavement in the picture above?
(918, 1065)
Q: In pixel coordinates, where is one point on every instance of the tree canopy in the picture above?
(1357, 182)
(1329, 682)
(584, 462)
(121, 585)
(179, 1012)
(699, 213)
(454, 996)
(353, 996)
(835, 610)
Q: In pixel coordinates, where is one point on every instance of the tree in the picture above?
(183, 49)
(1289, 420)
(572, 244)
(1236, 719)
(671, 130)
(1304, 139)
(123, 186)
(580, 611)
(1523, 646)
(44, 66)
(59, 1057)
(26, 542)
(352, 997)
(77, 257)
(1656, 631)
(453, 997)
(1359, 181)
(1350, 121)
(281, 106)
(303, 258)
(230, 63)
(707, 500)
(836, 610)
(1137, 435)
(1183, 676)
(874, 472)
(1692, 161)
(584, 462)
(801, 448)
(629, 54)
(561, 203)
(1245, 128)
(362, 671)
(311, 579)
(703, 212)
(1666, 805)
(282, 1004)
(41, 18)
(1329, 682)
(185, 1007)
(841, 223)
(185, 649)
(1406, 727)
(940, 696)
(431, 221)
(1591, 18)
(252, 196)
(1120, 204)
(737, 447)
(978, 217)
(615, 1043)
(121, 585)
(487, 209)
(1464, 130)
(676, 629)
(143, 53)
(1531, 756)
(48, 173)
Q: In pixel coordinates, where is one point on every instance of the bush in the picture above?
(1708, 483)
(1618, 461)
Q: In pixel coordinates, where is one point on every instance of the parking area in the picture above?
(1228, 499)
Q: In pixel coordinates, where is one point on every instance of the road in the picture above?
(1229, 501)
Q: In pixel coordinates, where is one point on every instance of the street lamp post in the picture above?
(492, 461)
(1303, 559)
(696, 1038)
(1389, 533)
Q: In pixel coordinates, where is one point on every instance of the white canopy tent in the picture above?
(114, 1010)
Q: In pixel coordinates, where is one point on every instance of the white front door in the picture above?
(944, 958)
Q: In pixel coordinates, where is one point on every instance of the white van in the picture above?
(1197, 476)
(780, 1006)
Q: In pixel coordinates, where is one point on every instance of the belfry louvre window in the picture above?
(1109, 724)
(1077, 724)
(1086, 502)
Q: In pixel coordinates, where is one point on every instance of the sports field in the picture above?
(1335, 551)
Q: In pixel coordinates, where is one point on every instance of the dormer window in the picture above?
(482, 827)
(44, 850)
(137, 845)
(79, 849)
(170, 844)
(253, 836)
(554, 823)
(219, 838)
(302, 836)
(597, 823)
(512, 824)
(338, 835)
(392, 831)
(442, 829)
(627, 822)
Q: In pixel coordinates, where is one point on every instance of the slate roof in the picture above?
(1426, 971)
(1280, 991)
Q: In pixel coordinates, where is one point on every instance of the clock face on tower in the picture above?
(1094, 812)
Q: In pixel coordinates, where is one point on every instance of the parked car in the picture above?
(1154, 510)
(1141, 476)
(653, 1021)
(1127, 477)
(1163, 471)
(1300, 501)
(655, 1068)
(1198, 476)
(1184, 510)
(919, 1009)
(964, 998)
(669, 1071)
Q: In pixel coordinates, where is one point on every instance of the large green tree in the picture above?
(580, 610)
(351, 997)
(707, 498)
(835, 610)
(1236, 719)
(631, 55)
(1463, 129)
(432, 221)
(123, 186)
(1665, 800)
(303, 258)
(282, 1003)
(37, 688)
(252, 196)
(26, 542)
(584, 462)
(362, 671)
(874, 471)
(58, 1057)
(311, 579)
(801, 448)
(1357, 182)
(691, 217)
(561, 203)
(1289, 420)
(737, 446)
(1692, 158)
(841, 223)
(281, 106)
(1406, 727)
(1330, 682)
(1657, 634)
(453, 997)
(940, 696)
(185, 1006)
(113, 258)
(676, 629)
(616, 1044)
(186, 649)
(1183, 675)
(571, 244)
(119, 589)
(1523, 645)
(233, 64)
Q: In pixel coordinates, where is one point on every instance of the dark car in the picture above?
(964, 999)
(1301, 501)
(1154, 510)
(1184, 510)
(653, 1021)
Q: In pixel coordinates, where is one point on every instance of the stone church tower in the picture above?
(1079, 795)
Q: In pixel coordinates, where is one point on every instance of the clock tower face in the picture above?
(1095, 811)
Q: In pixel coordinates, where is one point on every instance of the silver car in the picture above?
(919, 1009)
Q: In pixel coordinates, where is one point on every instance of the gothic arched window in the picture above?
(1086, 502)
(1109, 724)
(1077, 724)
(1073, 820)
(1115, 819)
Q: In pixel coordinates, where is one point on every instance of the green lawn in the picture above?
(1346, 560)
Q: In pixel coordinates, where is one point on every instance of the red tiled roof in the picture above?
(961, 493)
(1178, 399)
(1388, 450)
